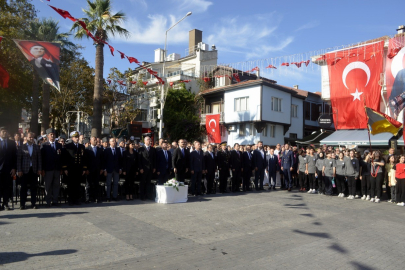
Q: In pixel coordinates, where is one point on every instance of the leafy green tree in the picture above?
(15, 17)
(181, 114)
(103, 24)
(77, 83)
(48, 30)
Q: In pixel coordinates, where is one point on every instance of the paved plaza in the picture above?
(256, 230)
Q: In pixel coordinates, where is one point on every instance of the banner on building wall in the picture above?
(213, 128)
(44, 56)
(395, 75)
(354, 76)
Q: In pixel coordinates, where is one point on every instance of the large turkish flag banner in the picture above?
(212, 127)
(354, 76)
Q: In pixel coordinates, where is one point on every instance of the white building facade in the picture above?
(257, 110)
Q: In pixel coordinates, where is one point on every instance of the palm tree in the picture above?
(48, 30)
(102, 24)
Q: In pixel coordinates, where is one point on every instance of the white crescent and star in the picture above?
(355, 65)
(356, 95)
(212, 120)
(396, 64)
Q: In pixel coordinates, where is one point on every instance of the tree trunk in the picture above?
(35, 99)
(45, 107)
(98, 91)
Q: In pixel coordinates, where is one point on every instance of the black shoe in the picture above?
(87, 202)
(71, 204)
(78, 203)
(55, 204)
(274, 188)
(22, 207)
(289, 189)
(48, 205)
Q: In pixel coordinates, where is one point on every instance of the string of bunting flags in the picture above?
(66, 15)
(235, 72)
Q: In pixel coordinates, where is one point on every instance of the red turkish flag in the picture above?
(395, 71)
(354, 83)
(212, 127)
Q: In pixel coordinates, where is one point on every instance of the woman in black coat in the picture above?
(130, 169)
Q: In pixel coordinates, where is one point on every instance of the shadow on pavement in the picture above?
(42, 215)
(12, 257)
(321, 235)
(338, 248)
(361, 266)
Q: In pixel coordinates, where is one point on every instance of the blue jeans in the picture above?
(115, 177)
(288, 178)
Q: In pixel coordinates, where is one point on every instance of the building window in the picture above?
(316, 109)
(307, 106)
(327, 108)
(293, 135)
(241, 104)
(264, 132)
(276, 104)
(294, 111)
(242, 130)
(272, 131)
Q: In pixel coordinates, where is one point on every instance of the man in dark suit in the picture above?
(247, 168)
(51, 153)
(272, 168)
(181, 161)
(210, 168)
(287, 166)
(164, 163)
(223, 167)
(147, 167)
(259, 163)
(197, 168)
(236, 167)
(8, 166)
(94, 170)
(74, 166)
(112, 168)
(29, 167)
(18, 140)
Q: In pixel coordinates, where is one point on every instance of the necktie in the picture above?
(212, 155)
(165, 154)
(113, 151)
(147, 148)
(238, 153)
(95, 150)
(182, 151)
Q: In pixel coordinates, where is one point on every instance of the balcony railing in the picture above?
(221, 117)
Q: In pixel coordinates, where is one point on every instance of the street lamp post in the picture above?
(162, 100)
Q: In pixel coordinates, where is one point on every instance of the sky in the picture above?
(244, 32)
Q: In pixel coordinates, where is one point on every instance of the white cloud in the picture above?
(141, 3)
(307, 26)
(152, 30)
(195, 6)
(255, 36)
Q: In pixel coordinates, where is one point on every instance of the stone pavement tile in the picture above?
(276, 230)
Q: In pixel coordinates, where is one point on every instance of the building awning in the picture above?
(357, 137)
(315, 137)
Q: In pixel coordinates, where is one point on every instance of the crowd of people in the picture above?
(102, 163)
